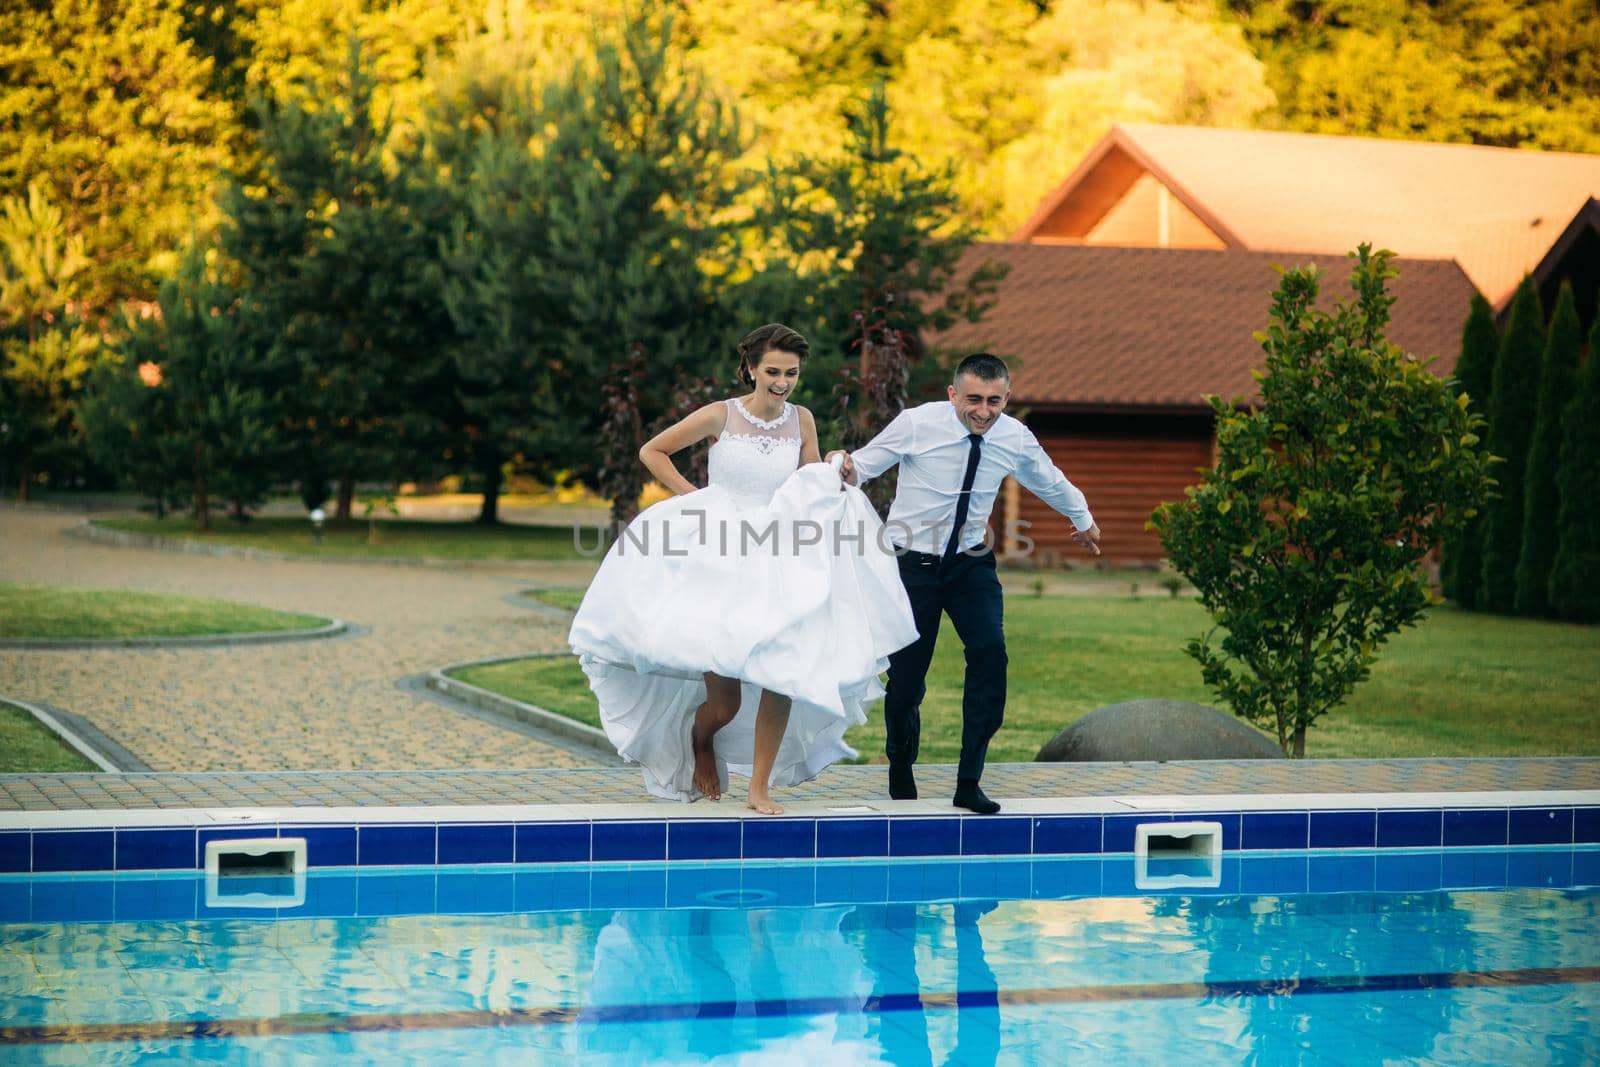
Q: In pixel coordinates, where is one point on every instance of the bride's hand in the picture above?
(847, 469)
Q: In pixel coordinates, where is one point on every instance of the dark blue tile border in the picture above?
(326, 846)
(638, 841)
(553, 842)
(996, 836)
(16, 852)
(1055, 835)
(1475, 826)
(1586, 826)
(1261, 830)
(1410, 829)
(74, 850)
(397, 845)
(1344, 829)
(925, 837)
(1529, 826)
(705, 839)
(157, 850)
(776, 839)
(841, 838)
(469, 843)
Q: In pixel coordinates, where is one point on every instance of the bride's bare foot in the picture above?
(760, 802)
(705, 759)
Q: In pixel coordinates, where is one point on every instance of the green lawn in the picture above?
(25, 746)
(1461, 684)
(565, 599)
(58, 611)
(407, 538)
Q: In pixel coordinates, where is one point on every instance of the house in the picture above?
(1137, 285)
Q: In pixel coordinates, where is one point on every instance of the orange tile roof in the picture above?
(1116, 329)
(1496, 211)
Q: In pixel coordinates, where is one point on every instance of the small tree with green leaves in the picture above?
(1513, 407)
(1305, 541)
(1461, 568)
(1541, 500)
(1575, 576)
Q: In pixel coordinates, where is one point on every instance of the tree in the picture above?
(1461, 569)
(1541, 499)
(1575, 575)
(45, 351)
(1305, 540)
(130, 425)
(106, 103)
(1513, 406)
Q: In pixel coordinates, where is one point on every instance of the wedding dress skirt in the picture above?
(799, 595)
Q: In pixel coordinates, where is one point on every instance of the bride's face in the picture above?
(777, 374)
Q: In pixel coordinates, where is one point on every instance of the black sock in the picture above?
(902, 783)
(970, 796)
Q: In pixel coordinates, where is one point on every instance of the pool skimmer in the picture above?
(1173, 855)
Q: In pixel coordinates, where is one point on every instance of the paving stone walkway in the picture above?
(845, 784)
(303, 705)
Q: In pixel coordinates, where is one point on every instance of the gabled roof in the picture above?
(1154, 329)
(1496, 211)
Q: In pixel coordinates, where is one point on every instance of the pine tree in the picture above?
(1460, 571)
(1541, 499)
(1513, 404)
(1575, 576)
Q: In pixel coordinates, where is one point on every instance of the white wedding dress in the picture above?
(774, 574)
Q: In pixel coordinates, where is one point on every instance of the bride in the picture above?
(744, 625)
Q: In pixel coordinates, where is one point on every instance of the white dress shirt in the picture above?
(930, 444)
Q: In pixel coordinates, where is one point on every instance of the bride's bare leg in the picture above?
(772, 719)
(722, 704)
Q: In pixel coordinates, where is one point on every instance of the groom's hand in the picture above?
(847, 469)
(1089, 538)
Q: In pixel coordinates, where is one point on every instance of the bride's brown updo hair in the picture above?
(761, 340)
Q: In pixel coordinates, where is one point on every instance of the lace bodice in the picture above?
(752, 457)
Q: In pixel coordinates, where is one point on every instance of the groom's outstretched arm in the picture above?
(1038, 473)
(894, 442)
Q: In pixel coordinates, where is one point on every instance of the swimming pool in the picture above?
(1464, 955)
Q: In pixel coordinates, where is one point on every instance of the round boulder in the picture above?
(1139, 730)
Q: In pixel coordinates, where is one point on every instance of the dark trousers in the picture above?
(965, 588)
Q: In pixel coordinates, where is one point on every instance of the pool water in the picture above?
(966, 962)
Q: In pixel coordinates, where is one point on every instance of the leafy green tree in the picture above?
(1513, 407)
(45, 352)
(107, 103)
(214, 401)
(1575, 576)
(1541, 499)
(130, 425)
(1305, 540)
(1461, 569)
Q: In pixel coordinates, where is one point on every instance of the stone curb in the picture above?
(72, 739)
(440, 681)
(334, 628)
(87, 530)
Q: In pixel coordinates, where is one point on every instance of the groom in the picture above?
(953, 455)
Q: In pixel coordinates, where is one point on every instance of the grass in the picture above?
(405, 538)
(1461, 684)
(56, 611)
(26, 746)
(555, 683)
(565, 599)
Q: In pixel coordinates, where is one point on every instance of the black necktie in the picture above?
(966, 494)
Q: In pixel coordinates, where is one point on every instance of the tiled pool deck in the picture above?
(839, 785)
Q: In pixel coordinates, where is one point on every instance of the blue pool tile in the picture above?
(1229, 821)
(1466, 868)
(1121, 831)
(704, 839)
(853, 883)
(16, 901)
(1055, 835)
(1529, 826)
(92, 900)
(73, 850)
(997, 879)
(329, 896)
(780, 839)
(553, 842)
(1475, 826)
(143, 899)
(925, 837)
(16, 855)
(781, 887)
(476, 892)
(477, 843)
(1063, 878)
(988, 835)
(1274, 830)
(691, 885)
(924, 883)
(1344, 829)
(852, 837)
(395, 893)
(552, 889)
(1421, 872)
(612, 887)
(630, 841)
(156, 850)
(1342, 873)
(326, 846)
(1586, 826)
(1410, 829)
(1538, 868)
(1586, 867)
(397, 846)
(1274, 874)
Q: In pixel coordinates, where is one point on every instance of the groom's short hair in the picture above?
(983, 366)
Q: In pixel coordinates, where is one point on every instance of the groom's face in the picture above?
(979, 401)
